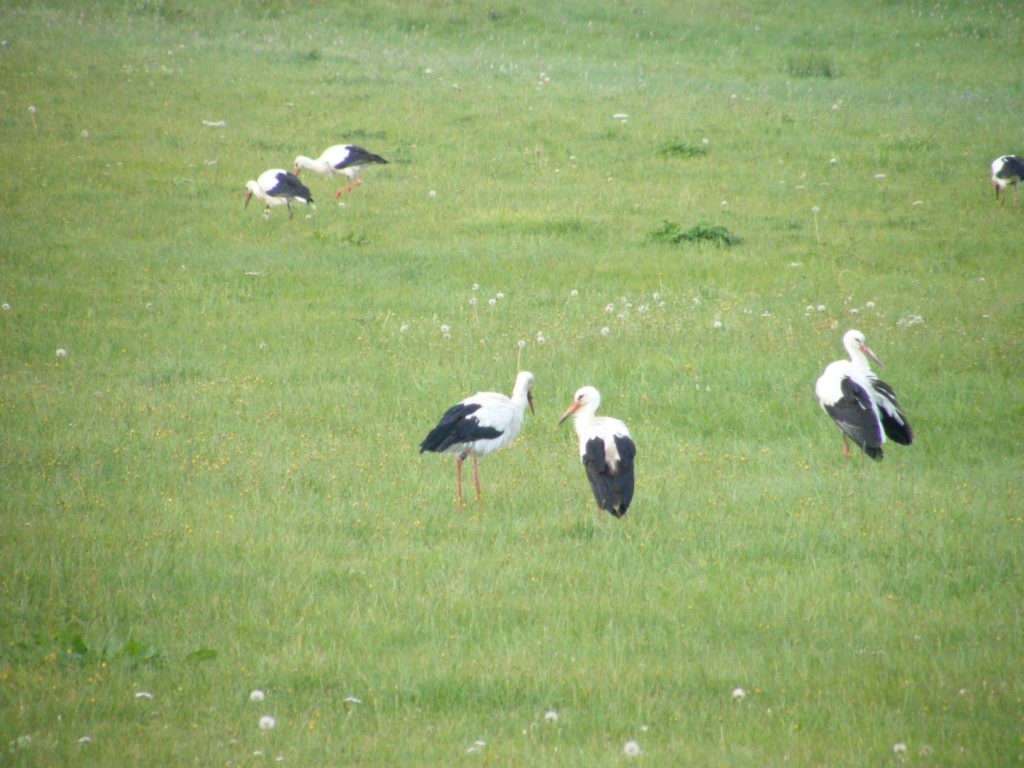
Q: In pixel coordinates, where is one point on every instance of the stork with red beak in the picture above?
(277, 187)
(607, 451)
(480, 425)
(1007, 171)
(341, 159)
(862, 405)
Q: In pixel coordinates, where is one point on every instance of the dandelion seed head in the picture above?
(62, 353)
(445, 328)
(717, 324)
(472, 301)
(492, 302)
(869, 305)
(499, 295)
(822, 307)
(899, 749)
(609, 308)
(447, 337)
(404, 328)
(267, 722)
(475, 287)
(605, 331)
(521, 343)
(574, 294)
(551, 716)
(631, 749)
(432, 193)
(5, 307)
(738, 694)
(32, 110)
(257, 695)
(816, 210)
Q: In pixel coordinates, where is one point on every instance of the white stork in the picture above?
(277, 187)
(607, 451)
(481, 424)
(344, 159)
(863, 406)
(1007, 171)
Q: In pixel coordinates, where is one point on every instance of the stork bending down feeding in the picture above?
(481, 424)
(343, 159)
(277, 187)
(607, 451)
(864, 407)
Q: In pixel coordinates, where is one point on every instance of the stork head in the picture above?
(524, 386)
(585, 397)
(857, 346)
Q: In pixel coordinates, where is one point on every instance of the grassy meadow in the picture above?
(215, 488)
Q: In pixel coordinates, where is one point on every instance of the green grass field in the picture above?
(217, 489)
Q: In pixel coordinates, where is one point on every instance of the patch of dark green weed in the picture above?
(682, 150)
(812, 65)
(712, 234)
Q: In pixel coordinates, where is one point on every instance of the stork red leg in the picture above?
(476, 480)
(458, 474)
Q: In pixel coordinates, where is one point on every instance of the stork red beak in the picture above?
(298, 169)
(248, 196)
(529, 401)
(569, 412)
(871, 355)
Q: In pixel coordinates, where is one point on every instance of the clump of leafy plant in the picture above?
(713, 234)
(813, 66)
(683, 150)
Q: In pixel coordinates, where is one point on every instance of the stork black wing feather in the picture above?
(855, 416)
(458, 425)
(612, 486)
(359, 156)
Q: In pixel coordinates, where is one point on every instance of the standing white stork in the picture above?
(863, 406)
(607, 451)
(344, 159)
(1007, 171)
(277, 187)
(481, 424)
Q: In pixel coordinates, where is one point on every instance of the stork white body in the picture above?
(343, 159)
(1007, 171)
(863, 406)
(607, 451)
(277, 187)
(480, 425)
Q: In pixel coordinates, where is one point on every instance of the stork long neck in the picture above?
(858, 358)
(317, 166)
(584, 417)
